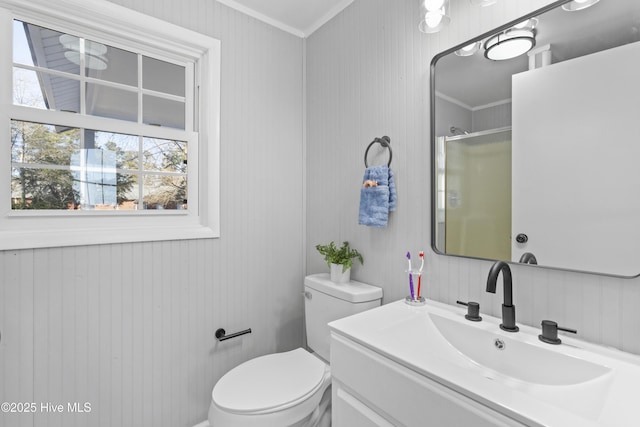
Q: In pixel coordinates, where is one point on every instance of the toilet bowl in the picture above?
(281, 389)
(293, 388)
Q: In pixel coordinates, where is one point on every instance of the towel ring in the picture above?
(385, 141)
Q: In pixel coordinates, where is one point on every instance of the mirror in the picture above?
(540, 154)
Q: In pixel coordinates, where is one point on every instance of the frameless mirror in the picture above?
(540, 154)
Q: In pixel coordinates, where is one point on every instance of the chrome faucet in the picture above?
(528, 258)
(508, 309)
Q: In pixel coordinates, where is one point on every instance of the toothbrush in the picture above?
(410, 276)
(421, 254)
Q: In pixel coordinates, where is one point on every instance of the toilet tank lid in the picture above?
(351, 291)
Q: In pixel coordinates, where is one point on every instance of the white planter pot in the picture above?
(337, 276)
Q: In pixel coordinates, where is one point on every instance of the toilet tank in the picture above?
(326, 301)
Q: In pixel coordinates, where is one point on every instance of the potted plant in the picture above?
(340, 260)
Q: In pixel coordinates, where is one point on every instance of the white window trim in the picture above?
(126, 26)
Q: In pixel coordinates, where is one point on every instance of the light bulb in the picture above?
(468, 50)
(483, 3)
(469, 47)
(433, 19)
(521, 24)
(433, 5)
(577, 5)
(527, 24)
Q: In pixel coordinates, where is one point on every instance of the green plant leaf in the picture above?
(343, 256)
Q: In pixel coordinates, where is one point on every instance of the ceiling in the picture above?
(299, 17)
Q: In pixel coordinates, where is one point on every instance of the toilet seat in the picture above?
(270, 383)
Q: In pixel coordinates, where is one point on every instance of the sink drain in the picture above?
(499, 344)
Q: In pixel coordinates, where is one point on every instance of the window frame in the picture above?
(123, 28)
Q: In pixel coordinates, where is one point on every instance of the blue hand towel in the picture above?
(377, 201)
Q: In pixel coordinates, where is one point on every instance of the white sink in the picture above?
(514, 358)
(572, 384)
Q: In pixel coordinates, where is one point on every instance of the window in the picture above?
(111, 122)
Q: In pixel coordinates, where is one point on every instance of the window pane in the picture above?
(111, 64)
(128, 191)
(26, 89)
(45, 91)
(163, 112)
(165, 192)
(94, 178)
(163, 76)
(21, 50)
(125, 147)
(42, 144)
(113, 103)
(164, 155)
(42, 189)
(42, 47)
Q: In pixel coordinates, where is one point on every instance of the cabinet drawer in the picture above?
(403, 395)
(349, 411)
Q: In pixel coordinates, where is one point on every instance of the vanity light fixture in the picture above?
(576, 5)
(513, 42)
(509, 44)
(94, 52)
(469, 49)
(436, 15)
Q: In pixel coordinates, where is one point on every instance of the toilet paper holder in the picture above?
(221, 334)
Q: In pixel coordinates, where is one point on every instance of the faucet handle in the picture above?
(550, 332)
(473, 311)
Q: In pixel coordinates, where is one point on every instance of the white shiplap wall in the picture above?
(130, 327)
(367, 76)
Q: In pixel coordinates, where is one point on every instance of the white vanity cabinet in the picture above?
(370, 389)
(422, 366)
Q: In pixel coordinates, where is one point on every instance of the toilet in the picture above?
(292, 389)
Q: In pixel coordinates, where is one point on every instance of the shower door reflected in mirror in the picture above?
(477, 222)
(543, 145)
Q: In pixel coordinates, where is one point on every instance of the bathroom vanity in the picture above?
(401, 365)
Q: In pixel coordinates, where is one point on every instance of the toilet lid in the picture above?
(270, 382)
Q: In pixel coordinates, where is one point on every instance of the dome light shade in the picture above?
(509, 44)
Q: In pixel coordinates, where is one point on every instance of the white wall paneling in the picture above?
(492, 117)
(363, 68)
(130, 327)
(16, 327)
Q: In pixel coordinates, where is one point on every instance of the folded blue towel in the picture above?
(377, 201)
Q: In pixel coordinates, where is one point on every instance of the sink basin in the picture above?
(572, 384)
(515, 358)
